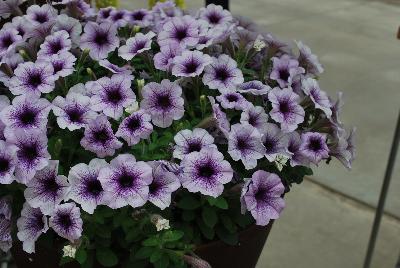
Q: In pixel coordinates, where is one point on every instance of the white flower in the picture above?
(132, 108)
(280, 161)
(69, 251)
(259, 43)
(160, 222)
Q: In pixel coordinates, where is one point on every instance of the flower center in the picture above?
(58, 66)
(114, 96)
(191, 66)
(29, 152)
(7, 41)
(260, 195)
(55, 46)
(194, 146)
(37, 222)
(214, 18)
(242, 143)
(51, 185)
(101, 136)
(35, 79)
(284, 74)
(315, 145)
(134, 124)
(118, 16)
(139, 45)
(74, 115)
(101, 38)
(269, 144)
(126, 180)
(154, 187)
(41, 17)
(138, 15)
(284, 107)
(206, 170)
(232, 98)
(163, 101)
(94, 187)
(181, 34)
(221, 74)
(27, 117)
(4, 165)
(253, 120)
(65, 220)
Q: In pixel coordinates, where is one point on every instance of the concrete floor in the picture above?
(355, 41)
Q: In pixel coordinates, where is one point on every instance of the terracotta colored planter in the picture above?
(218, 254)
(244, 255)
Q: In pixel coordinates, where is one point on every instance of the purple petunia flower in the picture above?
(244, 144)
(207, 35)
(308, 60)
(215, 15)
(71, 25)
(187, 141)
(26, 112)
(293, 148)
(285, 108)
(118, 17)
(5, 224)
(183, 31)
(46, 189)
(11, 61)
(39, 15)
(163, 59)
(73, 111)
(256, 117)
(163, 102)
(115, 69)
(100, 39)
(31, 225)
(206, 172)
(63, 63)
(135, 127)
(319, 98)
(164, 183)
(4, 102)
(8, 161)
(314, 146)
(86, 189)
(127, 181)
(32, 153)
(54, 44)
(9, 39)
(32, 78)
(222, 74)
(20, 24)
(343, 148)
(190, 63)
(136, 45)
(140, 17)
(220, 117)
(66, 221)
(254, 87)
(112, 95)
(284, 69)
(261, 195)
(104, 13)
(99, 137)
(274, 141)
(8, 7)
(233, 100)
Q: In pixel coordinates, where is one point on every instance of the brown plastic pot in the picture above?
(217, 253)
(243, 255)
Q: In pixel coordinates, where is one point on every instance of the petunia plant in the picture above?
(131, 137)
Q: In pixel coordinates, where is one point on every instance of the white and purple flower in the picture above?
(254, 87)
(136, 45)
(314, 146)
(233, 100)
(206, 172)
(99, 137)
(63, 63)
(215, 15)
(190, 63)
(319, 98)
(285, 108)
(256, 117)
(183, 31)
(274, 141)
(47, 189)
(135, 127)
(54, 44)
(308, 60)
(188, 141)
(127, 181)
(112, 95)
(262, 196)
(66, 221)
(223, 74)
(9, 39)
(100, 39)
(86, 189)
(163, 102)
(163, 60)
(31, 225)
(244, 144)
(284, 69)
(8, 162)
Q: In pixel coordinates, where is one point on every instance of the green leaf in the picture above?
(228, 223)
(171, 236)
(189, 202)
(209, 216)
(188, 215)
(227, 237)
(218, 202)
(106, 257)
(156, 255)
(205, 230)
(81, 255)
(144, 253)
(151, 241)
(163, 262)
